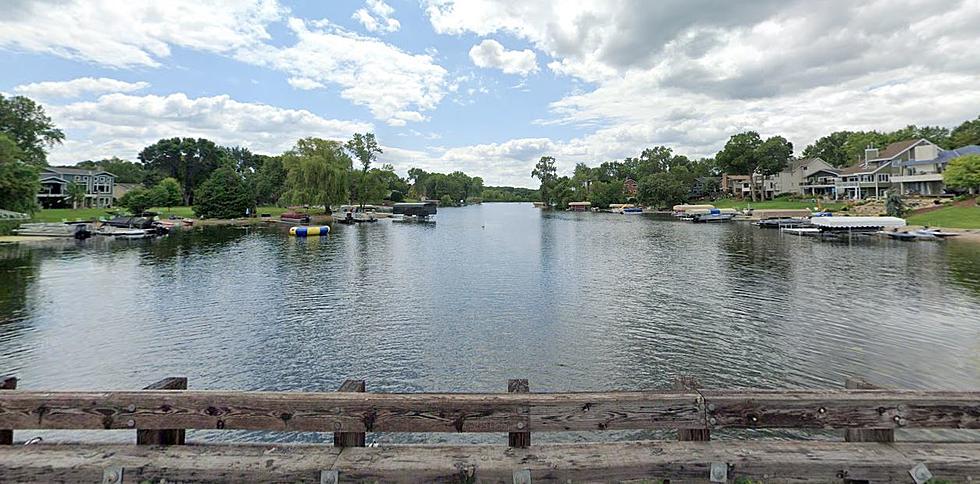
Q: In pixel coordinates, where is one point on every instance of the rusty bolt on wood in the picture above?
(131, 423)
(131, 407)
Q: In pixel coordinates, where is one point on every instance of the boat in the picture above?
(937, 233)
(713, 215)
(124, 233)
(633, 210)
(906, 236)
(801, 231)
(293, 216)
(683, 211)
(779, 223)
(419, 211)
(851, 225)
(44, 229)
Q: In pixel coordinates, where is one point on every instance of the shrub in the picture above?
(223, 195)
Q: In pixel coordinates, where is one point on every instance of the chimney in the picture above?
(870, 153)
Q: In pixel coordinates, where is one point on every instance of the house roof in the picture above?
(859, 169)
(66, 170)
(832, 171)
(947, 155)
(897, 148)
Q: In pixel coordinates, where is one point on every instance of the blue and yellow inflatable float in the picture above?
(309, 231)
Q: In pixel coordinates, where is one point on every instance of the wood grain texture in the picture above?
(504, 412)
(766, 461)
(518, 439)
(164, 436)
(350, 439)
(866, 435)
(7, 435)
(691, 384)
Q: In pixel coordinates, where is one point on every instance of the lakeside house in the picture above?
(120, 189)
(98, 185)
(630, 187)
(579, 206)
(910, 167)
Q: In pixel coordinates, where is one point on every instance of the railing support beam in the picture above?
(7, 436)
(164, 436)
(350, 439)
(518, 439)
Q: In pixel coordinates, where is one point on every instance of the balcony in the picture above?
(923, 177)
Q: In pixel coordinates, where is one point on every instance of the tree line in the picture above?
(665, 178)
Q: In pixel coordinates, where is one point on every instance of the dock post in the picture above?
(866, 435)
(687, 383)
(350, 439)
(518, 439)
(7, 436)
(164, 436)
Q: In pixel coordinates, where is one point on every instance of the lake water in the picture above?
(571, 301)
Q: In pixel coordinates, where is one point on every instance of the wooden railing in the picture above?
(161, 414)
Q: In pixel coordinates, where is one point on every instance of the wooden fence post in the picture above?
(350, 439)
(518, 439)
(164, 436)
(687, 383)
(7, 436)
(866, 435)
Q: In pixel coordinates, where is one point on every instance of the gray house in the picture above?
(54, 187)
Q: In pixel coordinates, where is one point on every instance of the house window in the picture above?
(883, 177)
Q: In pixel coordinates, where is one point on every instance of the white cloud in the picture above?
(491, 54)
(134, 32)
(398, 87)
(377, 17)
(77, 87)
(122, 124)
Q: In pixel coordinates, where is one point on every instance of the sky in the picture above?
(487, 87)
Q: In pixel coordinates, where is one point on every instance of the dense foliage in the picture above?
(509, 194)
(164, 194)
(450, 189)
(25, 122)
(19, 182)
(963, 173)
(223, 195)
(125, 171)
(187, 160)
(317, 173)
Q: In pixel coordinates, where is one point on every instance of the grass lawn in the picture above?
(949, 217)
(773, 204)
(59, 214)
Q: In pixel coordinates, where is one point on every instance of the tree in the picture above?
(772, 155)
(663, 189)
(223, 195)
(963, 173)
(29, 127)
(895, 205)
(364, 149)
(546, 171)
(967, 133)
(830, 148)
(740, 156)
(138, 200)
(19, 182)
(76, 194)
(167, 193)
(317, 173)
(604, 193)
(188, 160)
(269, 180)
(125, 171)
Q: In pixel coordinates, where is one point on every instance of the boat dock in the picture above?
(160, 415)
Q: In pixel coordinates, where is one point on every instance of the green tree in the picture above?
(317, 173)
(547, 172)
(747, 154)
(602, 194)
(963, 173)
(76, 194)
(29, 127)
(19, 182)
(167, 193)
(663, 189)
(139, 200)
(269, 180)
(125, 171)
(773, 155)
(364, 148)
(223, 195)
(830, 148)
(188, 160)
(967, 133)
(895, 205)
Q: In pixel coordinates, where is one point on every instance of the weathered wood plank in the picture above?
(866, 435)
(350, 439)
(164, 436)
(518, 439)
(766, 461)
(691, 384)
(504, 412)
(829, 409)
(7, 435)
(347, 412)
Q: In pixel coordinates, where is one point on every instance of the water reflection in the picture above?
(570, 301)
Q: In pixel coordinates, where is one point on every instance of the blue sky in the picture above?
(486, 86)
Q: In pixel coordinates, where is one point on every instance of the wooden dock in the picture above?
(160, 415)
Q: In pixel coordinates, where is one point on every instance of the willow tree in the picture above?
(317, 173)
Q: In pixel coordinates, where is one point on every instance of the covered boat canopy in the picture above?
(764, 214)
(704, 211)
(857, 222)
(423, 209)
(688, 208)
